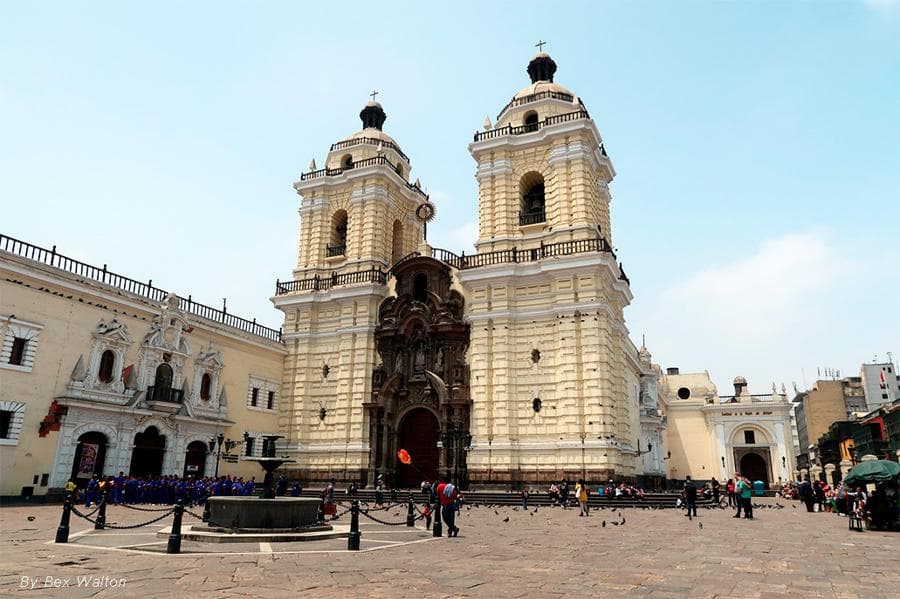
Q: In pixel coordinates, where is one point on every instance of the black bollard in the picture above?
(100, 522)
(174, 545)
(436, 530)
(353, 539)
(62, 531)
(410, 516)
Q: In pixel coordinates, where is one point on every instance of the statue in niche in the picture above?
(400, 362)
(439, 360)
(419, 360)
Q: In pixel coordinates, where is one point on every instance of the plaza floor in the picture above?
(548, 553)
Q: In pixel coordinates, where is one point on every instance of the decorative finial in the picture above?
(380, 149)
(312, 164)
(488, 125)
(540, 45)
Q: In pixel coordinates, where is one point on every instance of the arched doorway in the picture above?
(754, 467)
(418, 435)
(195, 459)
(90, 455)
(147, 456)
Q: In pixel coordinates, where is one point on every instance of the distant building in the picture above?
(881, 384)
(827, 402)
(709, 435)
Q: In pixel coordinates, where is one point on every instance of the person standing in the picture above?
(715, 490)
(738, 504)
(746, 499)
(525, 498)
(729, 489)
(93, 492)
(582, 494)
(690, 497)
(447, 494)
(564, 494)
(807, 495)
(379, 491)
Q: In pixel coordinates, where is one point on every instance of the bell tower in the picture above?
(543, 173)
(357, 218)
(358, 213)
(554, 376)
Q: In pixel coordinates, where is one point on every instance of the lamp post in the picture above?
(216, 446)
(456, 439)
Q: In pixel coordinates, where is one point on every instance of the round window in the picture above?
(684, 393)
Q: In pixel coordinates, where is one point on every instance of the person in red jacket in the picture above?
(447, 495)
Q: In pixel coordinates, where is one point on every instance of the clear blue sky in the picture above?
(756, 207)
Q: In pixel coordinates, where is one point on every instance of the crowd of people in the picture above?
(166, 490)
(562, 494)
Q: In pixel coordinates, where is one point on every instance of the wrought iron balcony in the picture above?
(335, 250)
(165, 394)
(532, 218)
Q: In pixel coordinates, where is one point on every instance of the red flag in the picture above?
(404, 457)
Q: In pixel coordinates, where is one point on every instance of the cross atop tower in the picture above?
(373, 94)
(540, 45)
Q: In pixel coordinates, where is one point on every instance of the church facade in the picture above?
(508, 366)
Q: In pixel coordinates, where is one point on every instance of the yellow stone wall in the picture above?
(373, 203)
(69, 310)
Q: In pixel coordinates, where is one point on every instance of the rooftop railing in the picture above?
(458, 261)
(375, 160)
(534, 98)
(146, 290)
(372, 141)
(531, 127)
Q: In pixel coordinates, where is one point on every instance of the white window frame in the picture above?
(21, 329)
(262, 400)
(15, 424)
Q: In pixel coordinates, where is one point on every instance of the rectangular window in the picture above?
(270, 402)
(248, 448)
(45, 479)
(884, 396)
(254, 397)
(5, 424)
(17, 354)
(749, 437)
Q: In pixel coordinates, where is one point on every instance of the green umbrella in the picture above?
(874, 471)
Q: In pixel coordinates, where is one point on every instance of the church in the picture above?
(508, 366)
(511, 365)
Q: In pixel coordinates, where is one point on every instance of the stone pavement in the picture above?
(551, 553)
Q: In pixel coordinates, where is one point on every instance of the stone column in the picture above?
(814, 473)
(829, 473)
(804, 474)
(845, 465)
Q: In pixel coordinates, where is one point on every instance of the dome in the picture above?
(739, 380)
(372, 133)
(373, 115)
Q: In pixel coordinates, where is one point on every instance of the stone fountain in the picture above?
(266, 518)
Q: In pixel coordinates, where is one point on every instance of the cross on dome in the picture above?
(373, 94)
(540, 45)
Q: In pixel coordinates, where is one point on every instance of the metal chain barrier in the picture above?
(386, 523)
(107, 525)
(144, 509)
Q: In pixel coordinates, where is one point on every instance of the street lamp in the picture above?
(457, 440)
(216, 446)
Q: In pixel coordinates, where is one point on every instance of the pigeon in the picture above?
(496, 512)
(31, 518)
(701, 525)
(506, 519)
(515, 509)
(623, 520)
(604, 524)
(794, 506)
(531, 513)
(614, 523)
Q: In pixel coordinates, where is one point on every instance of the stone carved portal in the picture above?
(422, 383)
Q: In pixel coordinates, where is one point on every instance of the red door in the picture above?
(419, 435)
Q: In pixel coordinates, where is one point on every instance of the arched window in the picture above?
(164, 376)
(420, 287)
(337, 244)
(530, 121)
(533, 207)
(397, 242)
(107, 363)
(347, 161)
(399, 169)
(205, 385)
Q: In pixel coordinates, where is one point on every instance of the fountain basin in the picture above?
(255, 515)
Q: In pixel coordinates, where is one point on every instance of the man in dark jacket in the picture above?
(690, 497)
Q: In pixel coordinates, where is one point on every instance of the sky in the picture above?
(757, 146)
